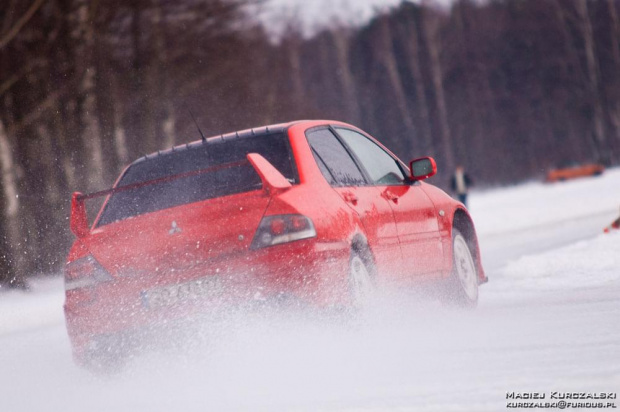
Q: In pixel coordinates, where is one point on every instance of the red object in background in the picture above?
(566, 173)
(614, 225)
(310, 211)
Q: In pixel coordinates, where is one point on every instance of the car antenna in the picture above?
(204, 139)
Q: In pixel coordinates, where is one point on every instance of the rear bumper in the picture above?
(306, 271)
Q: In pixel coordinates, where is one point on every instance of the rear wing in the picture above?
(273, 182)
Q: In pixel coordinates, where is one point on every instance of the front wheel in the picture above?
(462, 287)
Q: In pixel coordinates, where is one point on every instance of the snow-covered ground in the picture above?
(547, 321)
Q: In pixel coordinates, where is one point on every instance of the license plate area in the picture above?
(186, 292)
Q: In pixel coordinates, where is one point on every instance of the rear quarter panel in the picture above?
(314, 197)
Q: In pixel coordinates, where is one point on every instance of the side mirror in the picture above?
(422, 168)
(79, 220)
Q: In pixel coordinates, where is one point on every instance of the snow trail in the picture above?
(547, 321)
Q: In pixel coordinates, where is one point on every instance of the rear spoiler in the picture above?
(273, 182)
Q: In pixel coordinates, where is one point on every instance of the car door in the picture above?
(414, 212)
(346, 178)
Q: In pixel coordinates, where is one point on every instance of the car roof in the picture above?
(241, 134)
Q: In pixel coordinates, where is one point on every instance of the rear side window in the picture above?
(382, 168)
(333, 159)
(194, 188)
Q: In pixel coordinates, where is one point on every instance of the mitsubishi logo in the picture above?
(175, 228)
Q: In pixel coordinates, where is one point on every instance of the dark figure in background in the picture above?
(460, 184)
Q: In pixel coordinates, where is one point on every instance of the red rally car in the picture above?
(316, 212)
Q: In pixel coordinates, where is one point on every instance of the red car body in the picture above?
(290, 236)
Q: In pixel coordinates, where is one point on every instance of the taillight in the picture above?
(274, 230)
(84, 273)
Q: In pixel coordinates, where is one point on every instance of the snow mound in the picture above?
(540, 204)
(584, 264)
(40, 307)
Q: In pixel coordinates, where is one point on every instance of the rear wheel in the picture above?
(462, 287)
(106, 357)
(361, 278)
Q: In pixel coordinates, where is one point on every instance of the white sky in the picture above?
(315, 14)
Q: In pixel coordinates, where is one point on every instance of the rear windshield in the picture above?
(194, 188)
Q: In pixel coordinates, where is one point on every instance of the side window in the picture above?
(333, 159)
(324, 169)
(382, 168)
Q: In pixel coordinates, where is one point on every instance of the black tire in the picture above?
(462, 286)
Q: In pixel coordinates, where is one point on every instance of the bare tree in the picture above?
(349, 94)
(614, 36)
(431, 29)
(409, 32)
(11, 267)
(599, 136)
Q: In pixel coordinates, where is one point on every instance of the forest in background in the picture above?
(507, 88)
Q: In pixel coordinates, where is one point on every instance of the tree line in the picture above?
(507, 88)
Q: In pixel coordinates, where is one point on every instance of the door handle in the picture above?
(387, 194)
(350, 197)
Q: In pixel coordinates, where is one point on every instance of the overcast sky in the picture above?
(319, 13)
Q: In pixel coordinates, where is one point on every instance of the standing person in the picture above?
(461, 183)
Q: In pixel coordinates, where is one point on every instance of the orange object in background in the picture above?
(574, 172)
